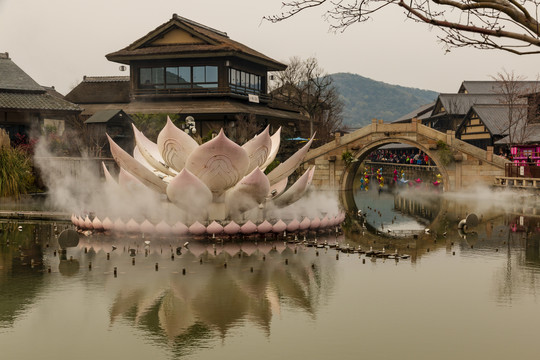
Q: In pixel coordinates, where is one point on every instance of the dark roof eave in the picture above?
(127, 59)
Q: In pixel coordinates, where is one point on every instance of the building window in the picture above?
(179, 77)
(242, 82)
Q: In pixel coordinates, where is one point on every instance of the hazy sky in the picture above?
(57, 42)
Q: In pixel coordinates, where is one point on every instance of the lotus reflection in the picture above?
(224, 285)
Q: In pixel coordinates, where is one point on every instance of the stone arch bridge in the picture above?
(461, 164)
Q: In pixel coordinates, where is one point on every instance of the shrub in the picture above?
(16, 176)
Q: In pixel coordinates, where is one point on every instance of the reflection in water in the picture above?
(208, 288)
(274, 298)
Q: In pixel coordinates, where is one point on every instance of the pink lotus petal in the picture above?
(214, 228)
(107, 224)
(305, 224)
(163, 228)
(197, 228)
(231, 228)
(180, 229)
(315, 223)
(324, 222)
(132, 226)
(248, 228)
(279, 227)
(293, 225)
(147, 227)
(88, 223)
(119, 225)
(97, 224)
(264, 227)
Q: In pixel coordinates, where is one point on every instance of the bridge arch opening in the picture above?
(360, 156)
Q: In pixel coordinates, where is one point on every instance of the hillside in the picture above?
(365, 99)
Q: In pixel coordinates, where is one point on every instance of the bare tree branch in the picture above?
(483, 24)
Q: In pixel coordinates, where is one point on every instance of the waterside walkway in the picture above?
(34, 215)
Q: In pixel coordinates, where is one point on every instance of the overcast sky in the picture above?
(57, 42)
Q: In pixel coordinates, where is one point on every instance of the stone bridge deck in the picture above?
(460, 164)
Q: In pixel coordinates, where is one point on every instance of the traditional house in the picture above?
(27, 107)
(450, 109)
(185, 68)
(485, 125)
(114, 122)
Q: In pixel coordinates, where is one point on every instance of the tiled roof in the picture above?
(35, 101)
(102, 116)
(106, 79)
(195, 107)
(14, 78)
(101, 89)
(459, 104)
(496, 87)
(422, 112)
(217, 43)
(531, 136)
(496, 117)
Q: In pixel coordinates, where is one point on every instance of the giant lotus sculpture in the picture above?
(213, 188)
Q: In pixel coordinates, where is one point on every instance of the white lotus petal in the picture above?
(220, 163)
(140, 158)
(175, 145)
(289, 166)
(127, 162)
(248, 193)
(150, 152)
(297, 190)
(276, 140)
(279, 187)
(258, 149)
(188, 192)
(108, 177)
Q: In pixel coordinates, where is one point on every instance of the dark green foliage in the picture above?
(365, 99)
(347, 157)
(444, 153)
(151, 124)
(16, 176)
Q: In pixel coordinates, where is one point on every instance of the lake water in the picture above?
(473, 295)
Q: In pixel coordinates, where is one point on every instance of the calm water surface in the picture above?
(459, 296)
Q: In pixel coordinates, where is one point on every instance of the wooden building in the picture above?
(188, 69)
(27, 108)
(117, 124)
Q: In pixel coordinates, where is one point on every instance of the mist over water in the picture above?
(82, 190)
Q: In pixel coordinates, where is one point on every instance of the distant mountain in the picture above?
(365, 99)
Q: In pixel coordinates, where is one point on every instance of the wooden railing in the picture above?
(529, 170)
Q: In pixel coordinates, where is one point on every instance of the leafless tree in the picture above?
(306, 86)
(510, 25)
(513, 92)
